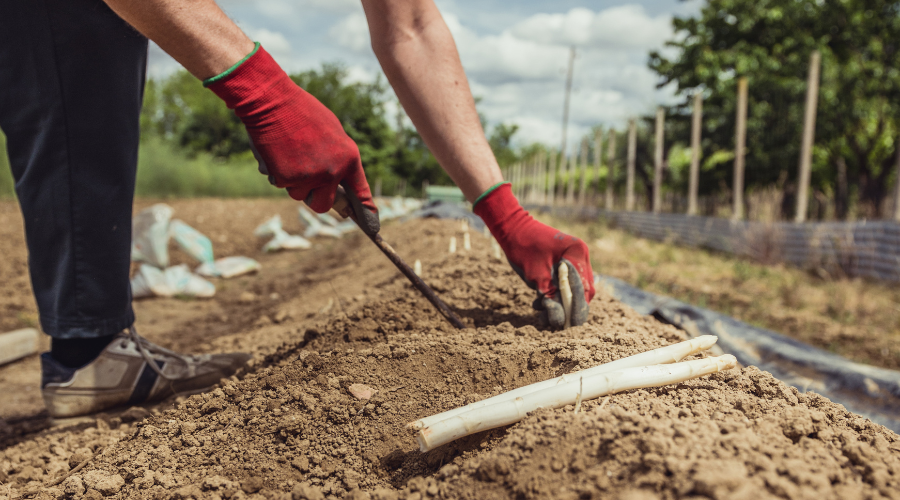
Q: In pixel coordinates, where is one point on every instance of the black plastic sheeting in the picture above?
(867, 390)
(448, 210)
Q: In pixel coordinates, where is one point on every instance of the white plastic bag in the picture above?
(176, 280)
(150, 235)
(228, 267)
(285, 241)
(314, 226)
(269, 227)
(191, 241)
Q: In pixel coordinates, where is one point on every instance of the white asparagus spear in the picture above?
(511, 411)
(467, 242)
(565, 292)
(453, 244)
(662, 355)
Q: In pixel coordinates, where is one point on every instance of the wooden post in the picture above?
(563, 177)
(542, 179)
(897, 186)
(572, 172)
(582, 189)
(632, 153)
(520, 180)
(551, 178)
(809, 131)
(565, 123)
(740, 142)
(658, 160)
(696, 129)
(610, 169)
(598, 163)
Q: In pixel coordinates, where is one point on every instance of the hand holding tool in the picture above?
(346, 204)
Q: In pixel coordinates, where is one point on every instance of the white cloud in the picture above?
(275, 42)
(624, 26)
(352, 32)
(520, 72)
(286, 9)
(516, 62)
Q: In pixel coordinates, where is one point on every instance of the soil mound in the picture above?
(324, 417)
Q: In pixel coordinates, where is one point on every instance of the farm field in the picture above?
(321, 320)
(853, 317)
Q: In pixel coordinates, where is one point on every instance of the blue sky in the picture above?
(514, 53)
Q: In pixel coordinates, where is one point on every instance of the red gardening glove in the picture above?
(299, 142)
(535, 251)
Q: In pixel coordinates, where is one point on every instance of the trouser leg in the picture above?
(71, 85)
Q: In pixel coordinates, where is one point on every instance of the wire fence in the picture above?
(869, 249)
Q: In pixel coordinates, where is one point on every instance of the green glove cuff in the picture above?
(489, 191)
(214, 79)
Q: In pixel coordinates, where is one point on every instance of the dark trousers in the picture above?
(71, 84)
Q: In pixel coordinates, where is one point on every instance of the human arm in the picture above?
(419, 57)
(298, 141)
(196, 33)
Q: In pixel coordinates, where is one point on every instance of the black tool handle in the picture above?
(346, 204)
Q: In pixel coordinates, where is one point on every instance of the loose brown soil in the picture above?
(290, 428)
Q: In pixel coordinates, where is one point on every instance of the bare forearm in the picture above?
(419, 57)
(194, 32)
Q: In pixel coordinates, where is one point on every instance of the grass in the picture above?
(164, 171)
(856, 318)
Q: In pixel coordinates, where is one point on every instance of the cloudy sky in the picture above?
(514, 52)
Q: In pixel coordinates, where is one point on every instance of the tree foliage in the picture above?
(770, 42)
(180, 111)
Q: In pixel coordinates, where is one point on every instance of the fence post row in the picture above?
(809, 131)
(610, 168)
(551, 178)
(740, 148)
(598, 161)
(582, 189)
(897, 184)
(632, 153)
(658, 160)
(696, 130)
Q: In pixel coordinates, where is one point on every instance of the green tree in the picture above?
(500, 141)
(360, 108)
(770, 42)
(180, 110)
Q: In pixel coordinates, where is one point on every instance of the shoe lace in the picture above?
(144, 346)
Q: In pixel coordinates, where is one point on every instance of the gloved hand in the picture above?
(535, 251)
(299, 142)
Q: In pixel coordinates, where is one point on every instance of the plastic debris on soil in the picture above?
(152, 230)
(281, 240)
(170, 282)
(228, 267)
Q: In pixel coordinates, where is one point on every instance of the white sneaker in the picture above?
(130, 371)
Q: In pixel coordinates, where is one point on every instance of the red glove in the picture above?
(535, 251)
(298, 141)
